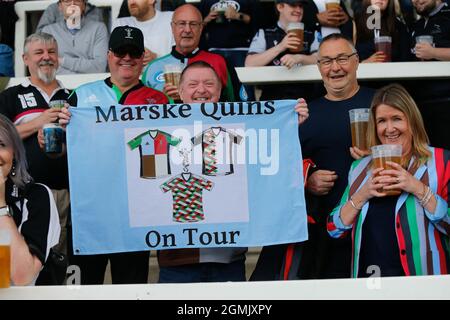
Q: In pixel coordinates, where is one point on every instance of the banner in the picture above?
(185, 176)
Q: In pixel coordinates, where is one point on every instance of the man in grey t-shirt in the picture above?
(82, 42)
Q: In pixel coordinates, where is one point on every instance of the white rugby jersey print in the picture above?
(217, 150)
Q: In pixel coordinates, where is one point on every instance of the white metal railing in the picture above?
(374, 288)
(22, 7)
(70, 81)
(366, 71)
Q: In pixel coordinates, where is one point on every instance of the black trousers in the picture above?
(126, 268)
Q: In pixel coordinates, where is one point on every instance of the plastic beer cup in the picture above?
(384, 44)
(383, 153)
(297, 28)
(172, 74)
(5, 258)
(53, 136)
(332, 4)
(359, 121)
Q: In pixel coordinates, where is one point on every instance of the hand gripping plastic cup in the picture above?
(383, 153)
(54, 137)
(384, 44)
(425, 39)
(297, 28)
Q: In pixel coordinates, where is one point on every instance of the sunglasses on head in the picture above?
(134, 53)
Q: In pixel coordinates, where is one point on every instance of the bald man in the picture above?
(187, 26)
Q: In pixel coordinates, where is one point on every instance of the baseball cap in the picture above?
(126, 36)
(293, 2)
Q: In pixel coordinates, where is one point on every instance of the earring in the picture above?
(15, 189)
(13, 169)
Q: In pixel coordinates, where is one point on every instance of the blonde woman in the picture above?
(404, 234)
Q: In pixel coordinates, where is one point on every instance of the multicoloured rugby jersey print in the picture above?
(217, 148)
(154, 147)
(187, 193)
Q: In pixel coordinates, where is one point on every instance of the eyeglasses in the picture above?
(122, 52)
(184, 24)
(341, 60)
(68, 2)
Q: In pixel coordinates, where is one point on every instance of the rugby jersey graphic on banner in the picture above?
(187, 193)
(217, 149)
(154, 147)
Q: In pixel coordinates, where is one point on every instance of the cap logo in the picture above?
(128, 31)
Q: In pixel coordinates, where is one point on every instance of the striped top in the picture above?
(36, 217)
(422, 236)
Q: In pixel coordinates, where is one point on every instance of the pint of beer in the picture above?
(221, 15)
(383, 153)
(332, 4)
(384, 44)
(297, 29)
(172, 74)
(5, 259)
(359, 121)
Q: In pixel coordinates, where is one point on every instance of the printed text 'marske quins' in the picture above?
(165, 111)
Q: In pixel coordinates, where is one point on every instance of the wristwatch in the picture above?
(4, 211)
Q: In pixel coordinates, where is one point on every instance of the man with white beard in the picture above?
(27, 106)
